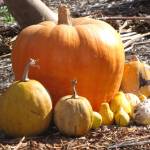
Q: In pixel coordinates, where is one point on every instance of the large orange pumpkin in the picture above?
(88, 50)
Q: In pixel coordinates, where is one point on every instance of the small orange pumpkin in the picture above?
(136, 78)
(89, 50)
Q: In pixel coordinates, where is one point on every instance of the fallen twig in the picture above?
(81, 146)
(19, 144)
(97, 146)
(130, 37)
(125, 24)
(9, 65)
(128, 143)
(137, 43)
(2, 146)
(127, 34)
(5, 55)
(139, 138)
(126, 44)
(125, 18)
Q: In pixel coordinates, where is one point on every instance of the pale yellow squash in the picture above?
(107, 114)
(97, 120)
(122, 118)
(73, 114)
(118, 101)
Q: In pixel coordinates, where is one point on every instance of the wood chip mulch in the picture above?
(103, 138)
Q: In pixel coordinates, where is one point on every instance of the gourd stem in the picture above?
(64, 15)
(31, 62)
(74, 95)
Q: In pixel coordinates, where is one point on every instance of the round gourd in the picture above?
(136, 78)
(25, 108)
(141, 114)
(89, 50)
(73, 114)
(97, 120)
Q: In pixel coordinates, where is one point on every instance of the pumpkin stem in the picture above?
(31, 62)
(64, 15)
(74, 95)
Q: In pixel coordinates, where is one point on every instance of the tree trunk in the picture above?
(28, 12)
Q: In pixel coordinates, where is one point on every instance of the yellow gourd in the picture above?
(26, 107)
(107, 114)
(97, 120)
(118, 101)
(122, 118)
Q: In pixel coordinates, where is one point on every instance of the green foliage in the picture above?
(5, 15)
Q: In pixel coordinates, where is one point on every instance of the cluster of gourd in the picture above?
(85, 49)
(131, 104)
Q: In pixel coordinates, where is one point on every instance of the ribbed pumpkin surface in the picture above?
(92, 53)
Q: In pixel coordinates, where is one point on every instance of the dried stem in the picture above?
(31, 62)
(64, 15)
(74, 95)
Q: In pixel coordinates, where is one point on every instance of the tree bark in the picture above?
(28, 12)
